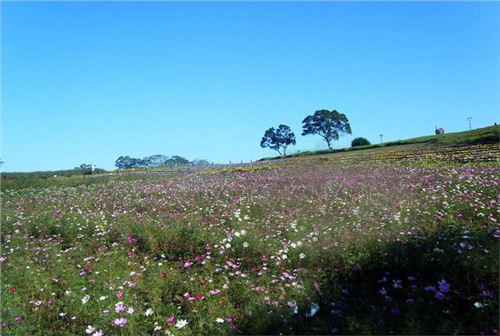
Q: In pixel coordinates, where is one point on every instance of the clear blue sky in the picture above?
(88, 82)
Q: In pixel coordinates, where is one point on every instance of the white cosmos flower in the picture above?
(181, 324)
(85, 299)
(302, 255)
(149, 312)
(219, 320)
(245, 244)
(478, 305)
(90, 329)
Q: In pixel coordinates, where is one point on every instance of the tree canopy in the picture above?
(157, 160)
(327, 124)
(278, 139)
(360, 142)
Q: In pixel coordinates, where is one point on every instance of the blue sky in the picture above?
(88, 82)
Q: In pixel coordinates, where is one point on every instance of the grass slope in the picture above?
(485, 135)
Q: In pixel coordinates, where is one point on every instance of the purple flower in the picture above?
(119, 322)
(119, 307)
(410, 278)
(443, 286)
(439, 296)
(485, 292)
(430, 288)
(397, 284)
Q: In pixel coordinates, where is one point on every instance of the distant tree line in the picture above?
(157, 160)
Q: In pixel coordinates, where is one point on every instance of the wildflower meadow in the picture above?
(296, 247)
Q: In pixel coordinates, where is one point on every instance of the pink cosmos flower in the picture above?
(119, 294)
(171, 319)
(187, 264)
(119, 322)
(119, 307)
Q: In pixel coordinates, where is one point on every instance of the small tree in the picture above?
(85, 168)
(327, 124)
(360, 142)
(278, 139)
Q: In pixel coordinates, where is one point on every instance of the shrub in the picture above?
(360, 142)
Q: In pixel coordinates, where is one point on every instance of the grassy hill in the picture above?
(485, 135)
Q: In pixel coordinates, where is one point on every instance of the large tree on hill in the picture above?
(327, 124)
(278, 139)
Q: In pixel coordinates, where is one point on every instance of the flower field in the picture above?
(301, 248)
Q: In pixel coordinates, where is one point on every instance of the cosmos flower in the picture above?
(181, 324)
(443, 286)
(119, 322)
(85, 299)
(119, 307)
(478, 305)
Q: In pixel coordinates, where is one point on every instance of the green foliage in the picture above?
(176, 160)
(278, 139)
(327, 124)
(360, 142)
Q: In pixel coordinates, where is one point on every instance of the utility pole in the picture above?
(470, 125)
(381, 135)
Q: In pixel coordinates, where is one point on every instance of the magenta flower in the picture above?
(119, 294)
